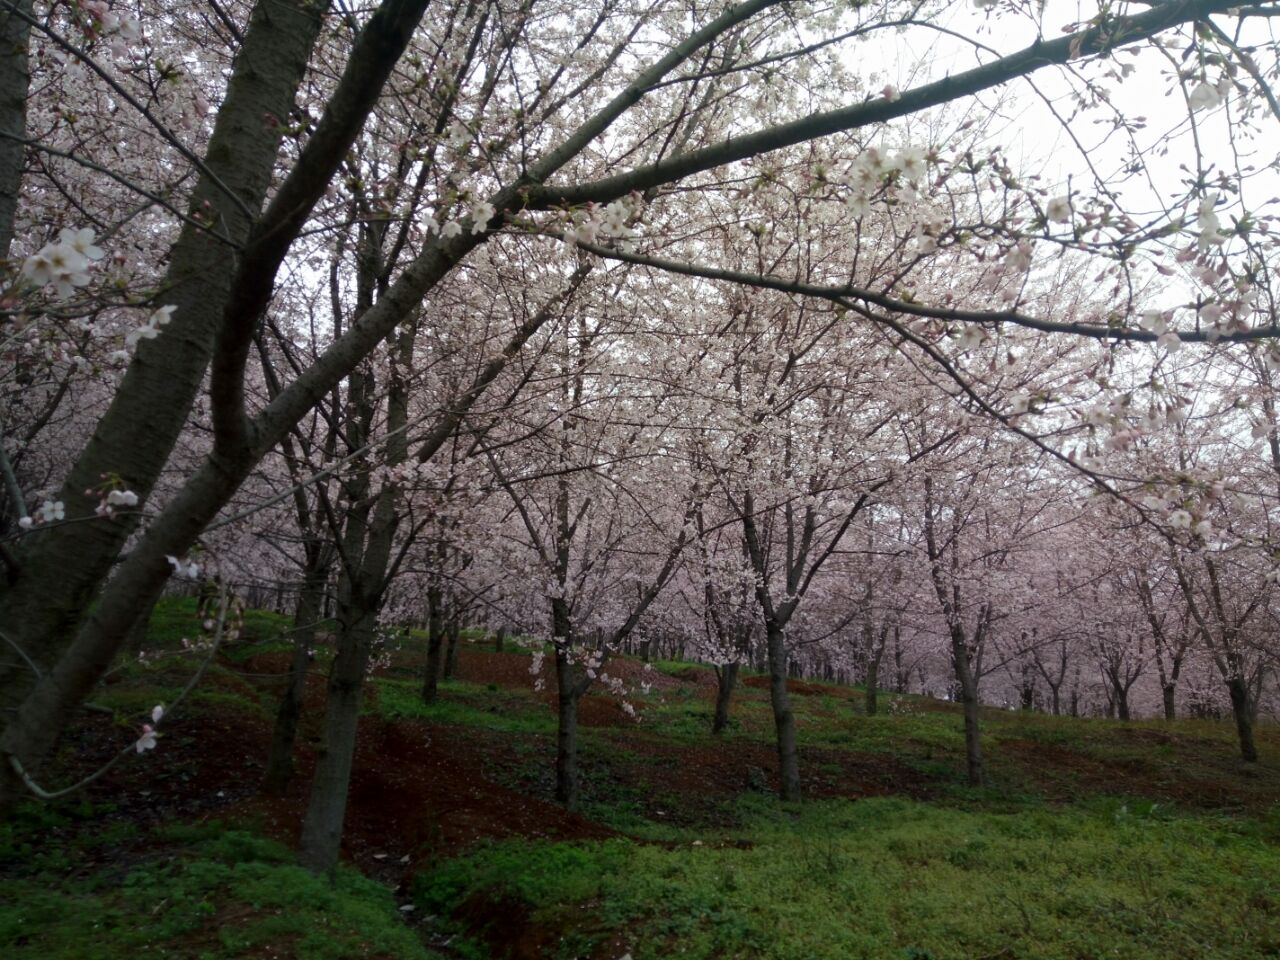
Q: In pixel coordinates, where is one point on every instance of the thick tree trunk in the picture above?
(1242, 710)
(873, 684)
(726, 680)
(499, 638)
(62, 568)
(568, 786)
(973, 740)
(1055, 698)
(322, 827)
(968, 684)
(15, 82)
(80, 624)
(137, 640)
(31, 732)
(306, 615)
(1170, 692)
(784, 720)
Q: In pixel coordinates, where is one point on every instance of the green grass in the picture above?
(189, 892)
(891, 878)
(1096, 839)
(465, 704)
(176, 618)
(153, 686)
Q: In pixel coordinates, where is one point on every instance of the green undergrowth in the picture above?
(1095, 839)
(204, 893)
(177, 618)
(464, 704)
(220, 691)
(888, 878)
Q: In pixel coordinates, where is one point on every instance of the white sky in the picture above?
(1035, 137)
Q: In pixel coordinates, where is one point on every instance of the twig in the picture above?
(44, 794)
(11, 480)
(22, 653)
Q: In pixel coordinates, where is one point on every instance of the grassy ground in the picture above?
(1095, 839)
(182, 891)
(889, 878)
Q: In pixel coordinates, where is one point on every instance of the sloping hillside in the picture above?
(1097, 839)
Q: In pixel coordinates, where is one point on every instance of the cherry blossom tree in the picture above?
(448, 126)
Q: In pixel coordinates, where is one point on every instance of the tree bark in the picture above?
(367, 553)
(280, 766)
(141, 575)
(138, 633)
(973, 740)
(15, 83)
(873, 683)
(454, 633)
(62, 568)
(435, 643)
(1170, 693)
(1027, 701)
(1242, 710)
(1122, 705)
(322, 827)
(974, 765)
(726, 680)
(784, 720)
(568, 784)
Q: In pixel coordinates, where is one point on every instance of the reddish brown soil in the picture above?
(421, 792)
(635, 673)
(479, 665)
(201, 764)
(696, 784)
(427, 791)
(505, 925)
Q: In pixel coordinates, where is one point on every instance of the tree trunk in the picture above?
(138, 634)
(305, 620)
(435, 643)
(1242, 710)
(1056, 699)
(15, 83)
(973, 740)
(322, 827)
(784, 720)
(279, 775)
(873, 683)
(1170, 692)
(972, 720)
(63, 568)
(726, 680)
(568, 787)
(499, 639)
(454, 631)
